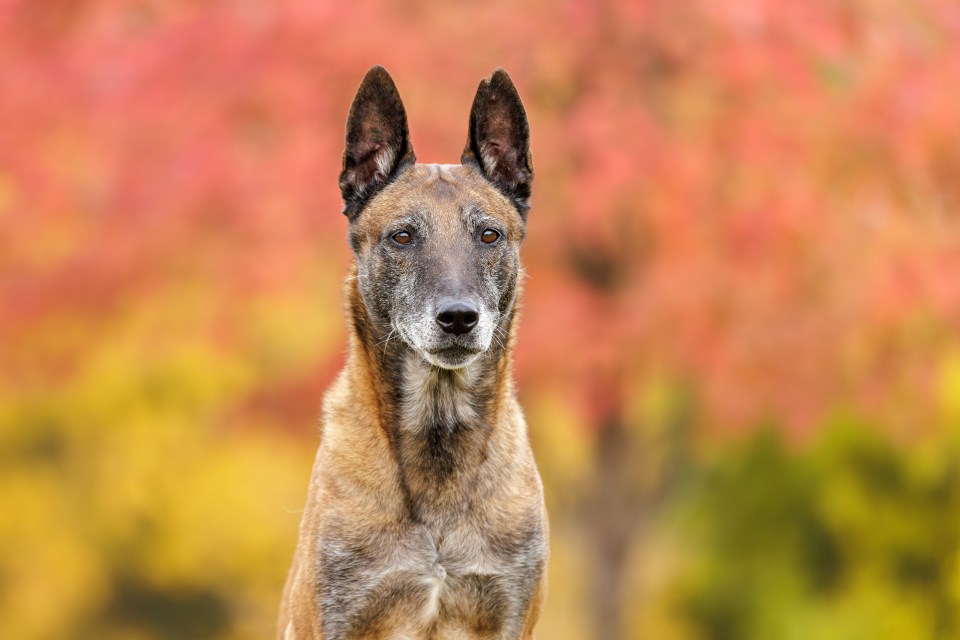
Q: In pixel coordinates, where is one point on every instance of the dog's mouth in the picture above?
(453, 356)
(446, 351)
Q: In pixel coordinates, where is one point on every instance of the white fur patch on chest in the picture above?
(436, 583)
(436, 395)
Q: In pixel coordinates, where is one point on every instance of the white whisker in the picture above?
(386, 341)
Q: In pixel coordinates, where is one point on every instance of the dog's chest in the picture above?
(425, 584)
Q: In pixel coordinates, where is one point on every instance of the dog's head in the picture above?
(437, 246)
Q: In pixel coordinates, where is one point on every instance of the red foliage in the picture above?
(757, 197)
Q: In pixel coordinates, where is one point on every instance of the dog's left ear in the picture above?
(498, 141)
(377, 144)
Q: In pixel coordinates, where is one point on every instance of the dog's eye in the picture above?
(489, 236)
(402, 237)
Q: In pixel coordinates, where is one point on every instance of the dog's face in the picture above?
(438, 260)
(437, 246)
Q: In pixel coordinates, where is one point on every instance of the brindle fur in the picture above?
(424, 516)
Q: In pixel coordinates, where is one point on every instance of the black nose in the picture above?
(457, 316)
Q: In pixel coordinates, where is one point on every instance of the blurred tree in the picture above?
(711, 170)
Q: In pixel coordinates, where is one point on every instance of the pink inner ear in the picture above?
(499, 130)
(498, 150)
(372, 164)
(500, 161)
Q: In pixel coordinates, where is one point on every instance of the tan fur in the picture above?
(357, 492)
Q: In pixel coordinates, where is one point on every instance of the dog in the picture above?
(425, 516)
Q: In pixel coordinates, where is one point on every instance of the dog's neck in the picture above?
(437, 421)
(445, 399)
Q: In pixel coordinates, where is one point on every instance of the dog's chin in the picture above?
(452, 357)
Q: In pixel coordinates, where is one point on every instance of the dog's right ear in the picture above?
(377, 144)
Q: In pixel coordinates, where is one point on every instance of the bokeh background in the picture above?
(739, 353)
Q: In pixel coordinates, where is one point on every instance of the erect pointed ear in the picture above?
(498, 141)
(377, 144)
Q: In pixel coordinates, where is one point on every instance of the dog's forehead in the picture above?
(443, 193)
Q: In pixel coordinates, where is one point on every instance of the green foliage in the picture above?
(134, 508)
(852, 538)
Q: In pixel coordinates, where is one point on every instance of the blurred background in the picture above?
(739, 353)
